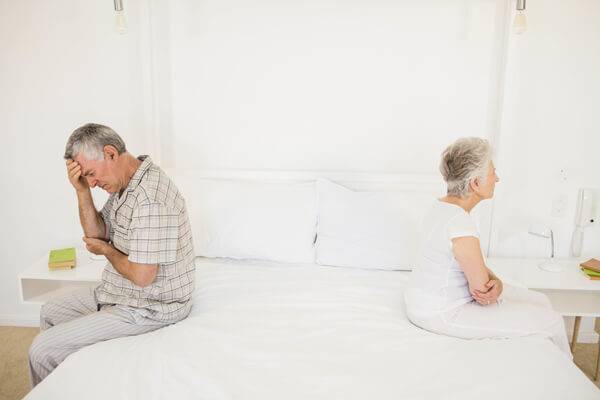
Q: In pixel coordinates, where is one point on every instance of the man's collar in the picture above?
(137, 177)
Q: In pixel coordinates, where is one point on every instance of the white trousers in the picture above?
(521, 312)
(72, 321)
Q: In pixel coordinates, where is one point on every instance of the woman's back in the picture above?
(461, 300)
(438, 283)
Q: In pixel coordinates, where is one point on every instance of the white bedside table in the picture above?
(570, 291)
(37, 283)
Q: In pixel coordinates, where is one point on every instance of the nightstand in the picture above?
(570, 291)
(38, 284)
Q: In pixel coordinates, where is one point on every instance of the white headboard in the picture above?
(430, 185)
(355, 180)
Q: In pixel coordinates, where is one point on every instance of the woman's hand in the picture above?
(490, 296)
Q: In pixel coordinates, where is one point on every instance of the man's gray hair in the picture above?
(90, 140)
(463, 161)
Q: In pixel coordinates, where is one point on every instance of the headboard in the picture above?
(423, 186)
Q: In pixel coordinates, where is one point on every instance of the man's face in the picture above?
(100, 173)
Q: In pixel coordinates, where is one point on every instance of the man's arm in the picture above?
(91, 220)
(140, 274)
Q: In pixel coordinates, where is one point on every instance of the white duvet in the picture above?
(267, 331)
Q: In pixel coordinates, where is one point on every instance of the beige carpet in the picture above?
(14, 378)
(14, 375)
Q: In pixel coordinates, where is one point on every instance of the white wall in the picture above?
(327, 85)
(550, 122)
(62, 65)
(378, 86)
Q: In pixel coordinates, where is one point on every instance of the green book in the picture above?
(590, 272)
(62, 255)
(62, 258)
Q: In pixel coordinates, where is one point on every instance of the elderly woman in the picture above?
(452, 291)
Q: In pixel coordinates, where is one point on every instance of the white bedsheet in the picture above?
(263, 331)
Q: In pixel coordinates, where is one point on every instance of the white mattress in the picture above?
(267, 331)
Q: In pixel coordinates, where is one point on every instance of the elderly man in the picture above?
(144, 232)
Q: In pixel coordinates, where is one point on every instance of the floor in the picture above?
(14, 375)
(14, 378)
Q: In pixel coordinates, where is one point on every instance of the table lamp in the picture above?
(546, 232)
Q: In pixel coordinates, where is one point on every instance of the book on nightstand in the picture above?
(62, 258)
(591, 268)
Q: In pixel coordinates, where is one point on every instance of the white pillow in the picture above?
(379, 230)
(251, 220)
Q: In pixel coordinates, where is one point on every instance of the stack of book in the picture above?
(62, 258)
(591, 268)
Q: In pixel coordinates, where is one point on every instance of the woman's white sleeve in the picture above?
(462, 224)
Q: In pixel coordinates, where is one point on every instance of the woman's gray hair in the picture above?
(463, 161)
(90, 140)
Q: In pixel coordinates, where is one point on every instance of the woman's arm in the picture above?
(493, 291)
(491, 273)
(467, 252)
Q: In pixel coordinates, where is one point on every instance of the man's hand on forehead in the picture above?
(74, 164)
(75, 175)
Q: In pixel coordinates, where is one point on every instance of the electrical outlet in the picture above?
(559, 206)
(562, 176)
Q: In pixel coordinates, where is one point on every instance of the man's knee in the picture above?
(45, 309)
(46, 315)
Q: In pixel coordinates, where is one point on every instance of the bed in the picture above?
(264, 330)
(322, 319)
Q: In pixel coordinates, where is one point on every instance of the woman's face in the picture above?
(486, 187)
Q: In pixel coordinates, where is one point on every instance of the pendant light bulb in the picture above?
(120, 21)
(520, 21)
